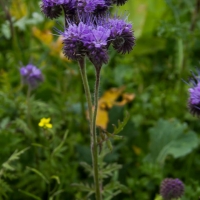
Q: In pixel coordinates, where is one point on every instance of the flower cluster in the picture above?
(171, 189)
(89, 30)
(194, 91)
(31, 75)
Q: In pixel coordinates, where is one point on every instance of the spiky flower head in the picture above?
(194, 92)
(53, 8)
(31, 75)
(121, 35)
(75, 36)
(171, 188)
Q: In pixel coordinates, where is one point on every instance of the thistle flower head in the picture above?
(194, 92)
(95, 7)
(31, 75)
(122, 35)
(97, 46)
(75, 36)
(171, 189)
(52, 8)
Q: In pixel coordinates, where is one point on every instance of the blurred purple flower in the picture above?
(31, 75)
(194, 91)
(171, 188)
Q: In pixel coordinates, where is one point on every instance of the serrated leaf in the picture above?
(109, 144)
(109, 169)
(170, 138)
(39, 174)
(7, 166)
(124, 188)
(20, 124)
(115, 137)
(15, 156)
(4, 186)
(87, 167)
(30, 195)
(114, 188)
(83, 187)
(121, 125)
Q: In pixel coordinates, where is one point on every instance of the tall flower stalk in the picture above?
(89, 32)
(31, 76)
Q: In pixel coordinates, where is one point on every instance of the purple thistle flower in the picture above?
(122, 35)
(95, 7)
(171, 188)
(194, 91)
(74, 38)
(31, 75)
(97, 46)
(52, 8)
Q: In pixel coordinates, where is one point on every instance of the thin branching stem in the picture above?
(92, 120)
(28, 106)
(95, 145)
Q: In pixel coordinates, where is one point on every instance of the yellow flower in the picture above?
(44, 122)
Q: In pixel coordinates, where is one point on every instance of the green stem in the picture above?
(86, 87)
(92, 120)
(28, 106)
(95, 145)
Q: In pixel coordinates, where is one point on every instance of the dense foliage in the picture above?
(161, 138)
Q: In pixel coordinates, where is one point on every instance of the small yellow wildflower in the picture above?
(44, 122)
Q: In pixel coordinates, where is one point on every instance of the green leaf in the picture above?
(58, 148)
(56, 193)
(115, 137)
(39, 174)
(15, 156)
(109, 144)
(121, 125)
(83, 187)
(56, 178)
(22, 125)
(7, 166)
(158, 197)
(87, 167)
(30, 195)
(109, 169)
(170, 138)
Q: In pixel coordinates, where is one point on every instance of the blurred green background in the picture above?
(161, 138)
